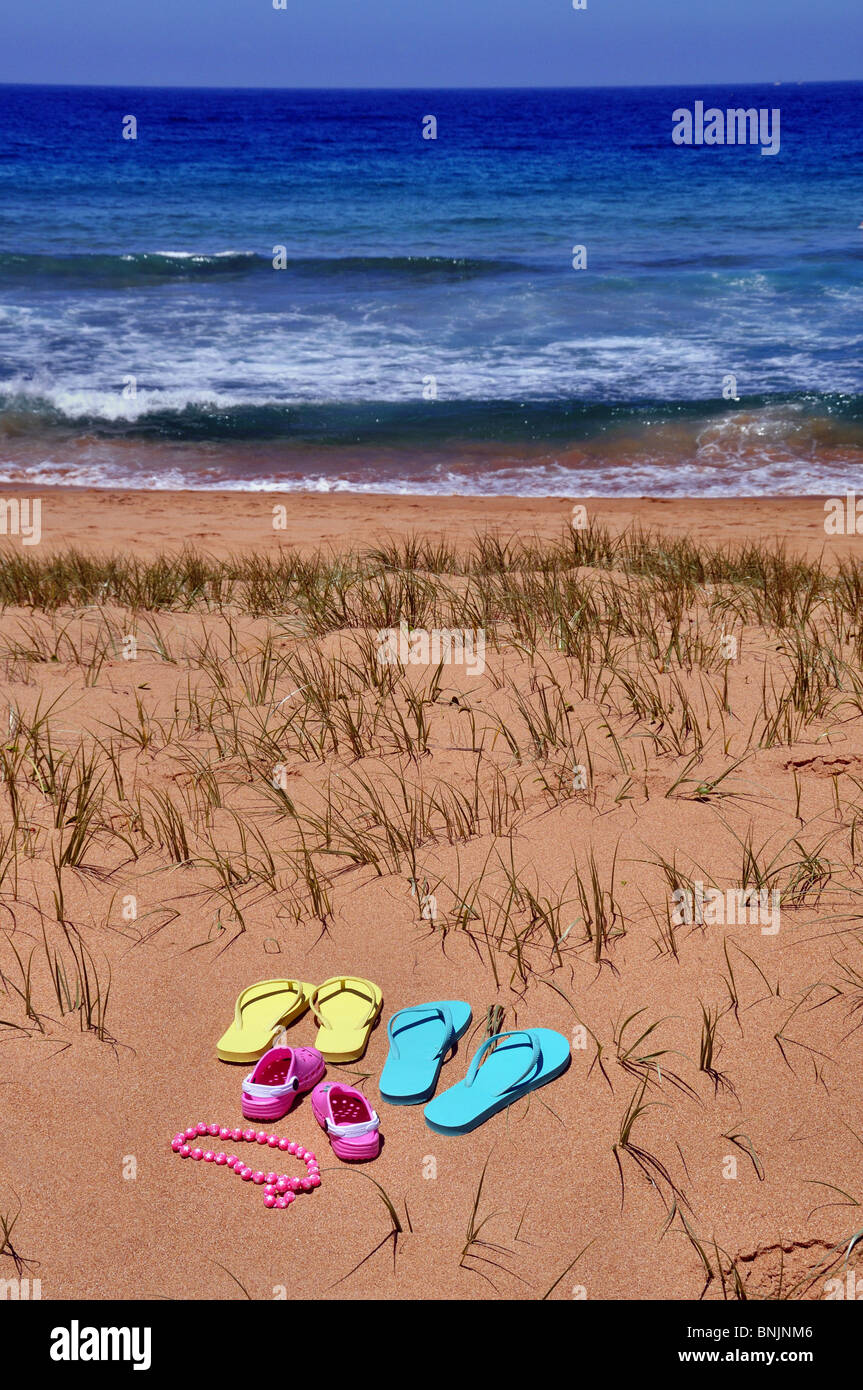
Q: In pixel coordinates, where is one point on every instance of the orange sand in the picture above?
(83, 1115)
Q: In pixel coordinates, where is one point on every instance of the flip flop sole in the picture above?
(349, 1053)
(345, 1039)
(249, 1044)
(225, 1056)
(421, 1097)
(251, 1053)
(410, 1100)
(501, 1104)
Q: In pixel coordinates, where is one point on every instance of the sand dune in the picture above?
(244, 790)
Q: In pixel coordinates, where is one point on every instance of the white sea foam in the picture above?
(696, 477)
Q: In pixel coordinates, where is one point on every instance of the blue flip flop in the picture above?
(420, 1038)
(521, 1061)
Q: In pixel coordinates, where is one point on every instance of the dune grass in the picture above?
(255, 764)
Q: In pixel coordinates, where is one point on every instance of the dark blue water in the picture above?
(428, 332)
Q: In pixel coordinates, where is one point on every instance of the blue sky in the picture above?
(429, 43)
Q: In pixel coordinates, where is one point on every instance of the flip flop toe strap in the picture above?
(535, 1053)
(343, 988)
(421, 1014)
(278, 987)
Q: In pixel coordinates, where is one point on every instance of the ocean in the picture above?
(426, 330)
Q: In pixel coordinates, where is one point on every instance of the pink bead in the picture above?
(282, 1185)
(306, 1184)
(284, 1145)
(272, 1177)
(310, 1157)
(184, 1151)
(300, 1151)
(231, 1160)
(246, 1174)
(273, 1141)
(236, 1135)
(281, 1202)
(208, 1155)
(259, 1178)
(289, 1197)
(176, 1145)
(262, 1136)
(224, 1132)
(214, 1131)
(315, 1180)
(292, 1148)
(295, 1184)
(221, 1159)
(201, 1127)
(249, 1135)
(197, 1153)
(190, 1132)
(269, 1200)
(270, 1187)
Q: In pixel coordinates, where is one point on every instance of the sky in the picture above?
(429, 43)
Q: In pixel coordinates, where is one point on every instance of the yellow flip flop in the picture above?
(262, 1009)
(346, 1007)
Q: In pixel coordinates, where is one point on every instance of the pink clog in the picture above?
(351, 1125)
(280, 1076)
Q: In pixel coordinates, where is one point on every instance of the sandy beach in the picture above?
(220, 523)
(707, 1139)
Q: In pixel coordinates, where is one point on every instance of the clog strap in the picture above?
(422, 1013)
(496, 1038)
(343, 986)
(353, 1131)
(262, 1092)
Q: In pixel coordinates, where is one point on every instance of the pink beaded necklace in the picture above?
(279, 1189)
